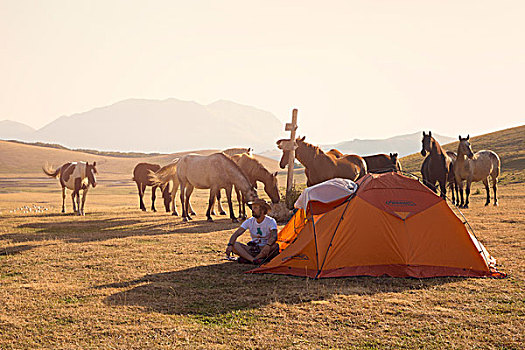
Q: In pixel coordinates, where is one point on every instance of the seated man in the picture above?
(263, 229)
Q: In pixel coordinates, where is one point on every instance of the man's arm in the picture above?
(233, 239)
(273, 237)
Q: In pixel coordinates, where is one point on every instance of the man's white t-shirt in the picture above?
(260, 232)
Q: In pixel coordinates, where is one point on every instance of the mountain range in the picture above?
(172, 125)
(156, 126)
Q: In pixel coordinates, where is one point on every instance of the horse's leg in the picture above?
(486, 184)
(173, 199)
(76, 194)
(239, 201)
(467, 193)
(189, 191)
(192, 212)
(63, 199)
(443, 188)
(219, 205)
(84, 193)
(457, 192)
(153, 197)
(73, 193)
(495, 188)
(460, 188)
(230, 204)
(213, 195)
(141, 195)
(183, 200)
(166, 198)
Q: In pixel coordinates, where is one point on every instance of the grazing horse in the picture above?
(439, 164)
(476, 167)
(76, 177)
(167, 177)
(215, 172)
(141, 177)
(255, 171)
(320, 166)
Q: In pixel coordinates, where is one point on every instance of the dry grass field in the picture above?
(120, 278)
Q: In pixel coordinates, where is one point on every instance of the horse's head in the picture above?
(464, 147)
(284, 145)
(272, 189)
(426, 143)
(91, 170)
(393, 158)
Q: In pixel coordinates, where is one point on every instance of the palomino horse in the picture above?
(439, 164)
(476, 167)
(452, 185)
(376, 163)
(166, 177)
(255, 171)
(141, 177)
(215, 172)
(320, 166)
(76, 177)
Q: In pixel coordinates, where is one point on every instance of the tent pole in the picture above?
(331, 239)
(315, 241)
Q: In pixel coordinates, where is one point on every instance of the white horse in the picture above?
(215, 172)
(76, 177)
(476, 167)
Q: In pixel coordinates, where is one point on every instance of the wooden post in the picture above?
(291, 127)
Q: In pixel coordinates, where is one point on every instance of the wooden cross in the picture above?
(290, 146)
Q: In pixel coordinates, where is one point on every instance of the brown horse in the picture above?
(375, 163)
(76, 177)
(452, 185)
(320, 166)
(380, 163)
(255, 171)
(215, 172)
(439, 164)
(167, 177)
(141, 178)
(476, 167)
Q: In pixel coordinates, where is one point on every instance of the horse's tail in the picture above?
(49, 171)
(164, 175)
(496, 163)
(363, 169)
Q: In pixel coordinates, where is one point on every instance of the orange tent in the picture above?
(392, 225)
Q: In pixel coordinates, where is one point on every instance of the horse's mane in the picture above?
(254, 166)
(317, 150)
(235, 166)
(234, 151)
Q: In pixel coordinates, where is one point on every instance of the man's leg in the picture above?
(268, 251)
(243, 251)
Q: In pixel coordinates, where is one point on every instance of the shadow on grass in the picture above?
(218, 289)
(16, 249)
(85, 229)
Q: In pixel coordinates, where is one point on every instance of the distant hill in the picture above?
(508, 144)
(160, 126)
(16, 158)
(15, 130)
(402, 144)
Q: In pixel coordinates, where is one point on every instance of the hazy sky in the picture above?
(354, 69)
